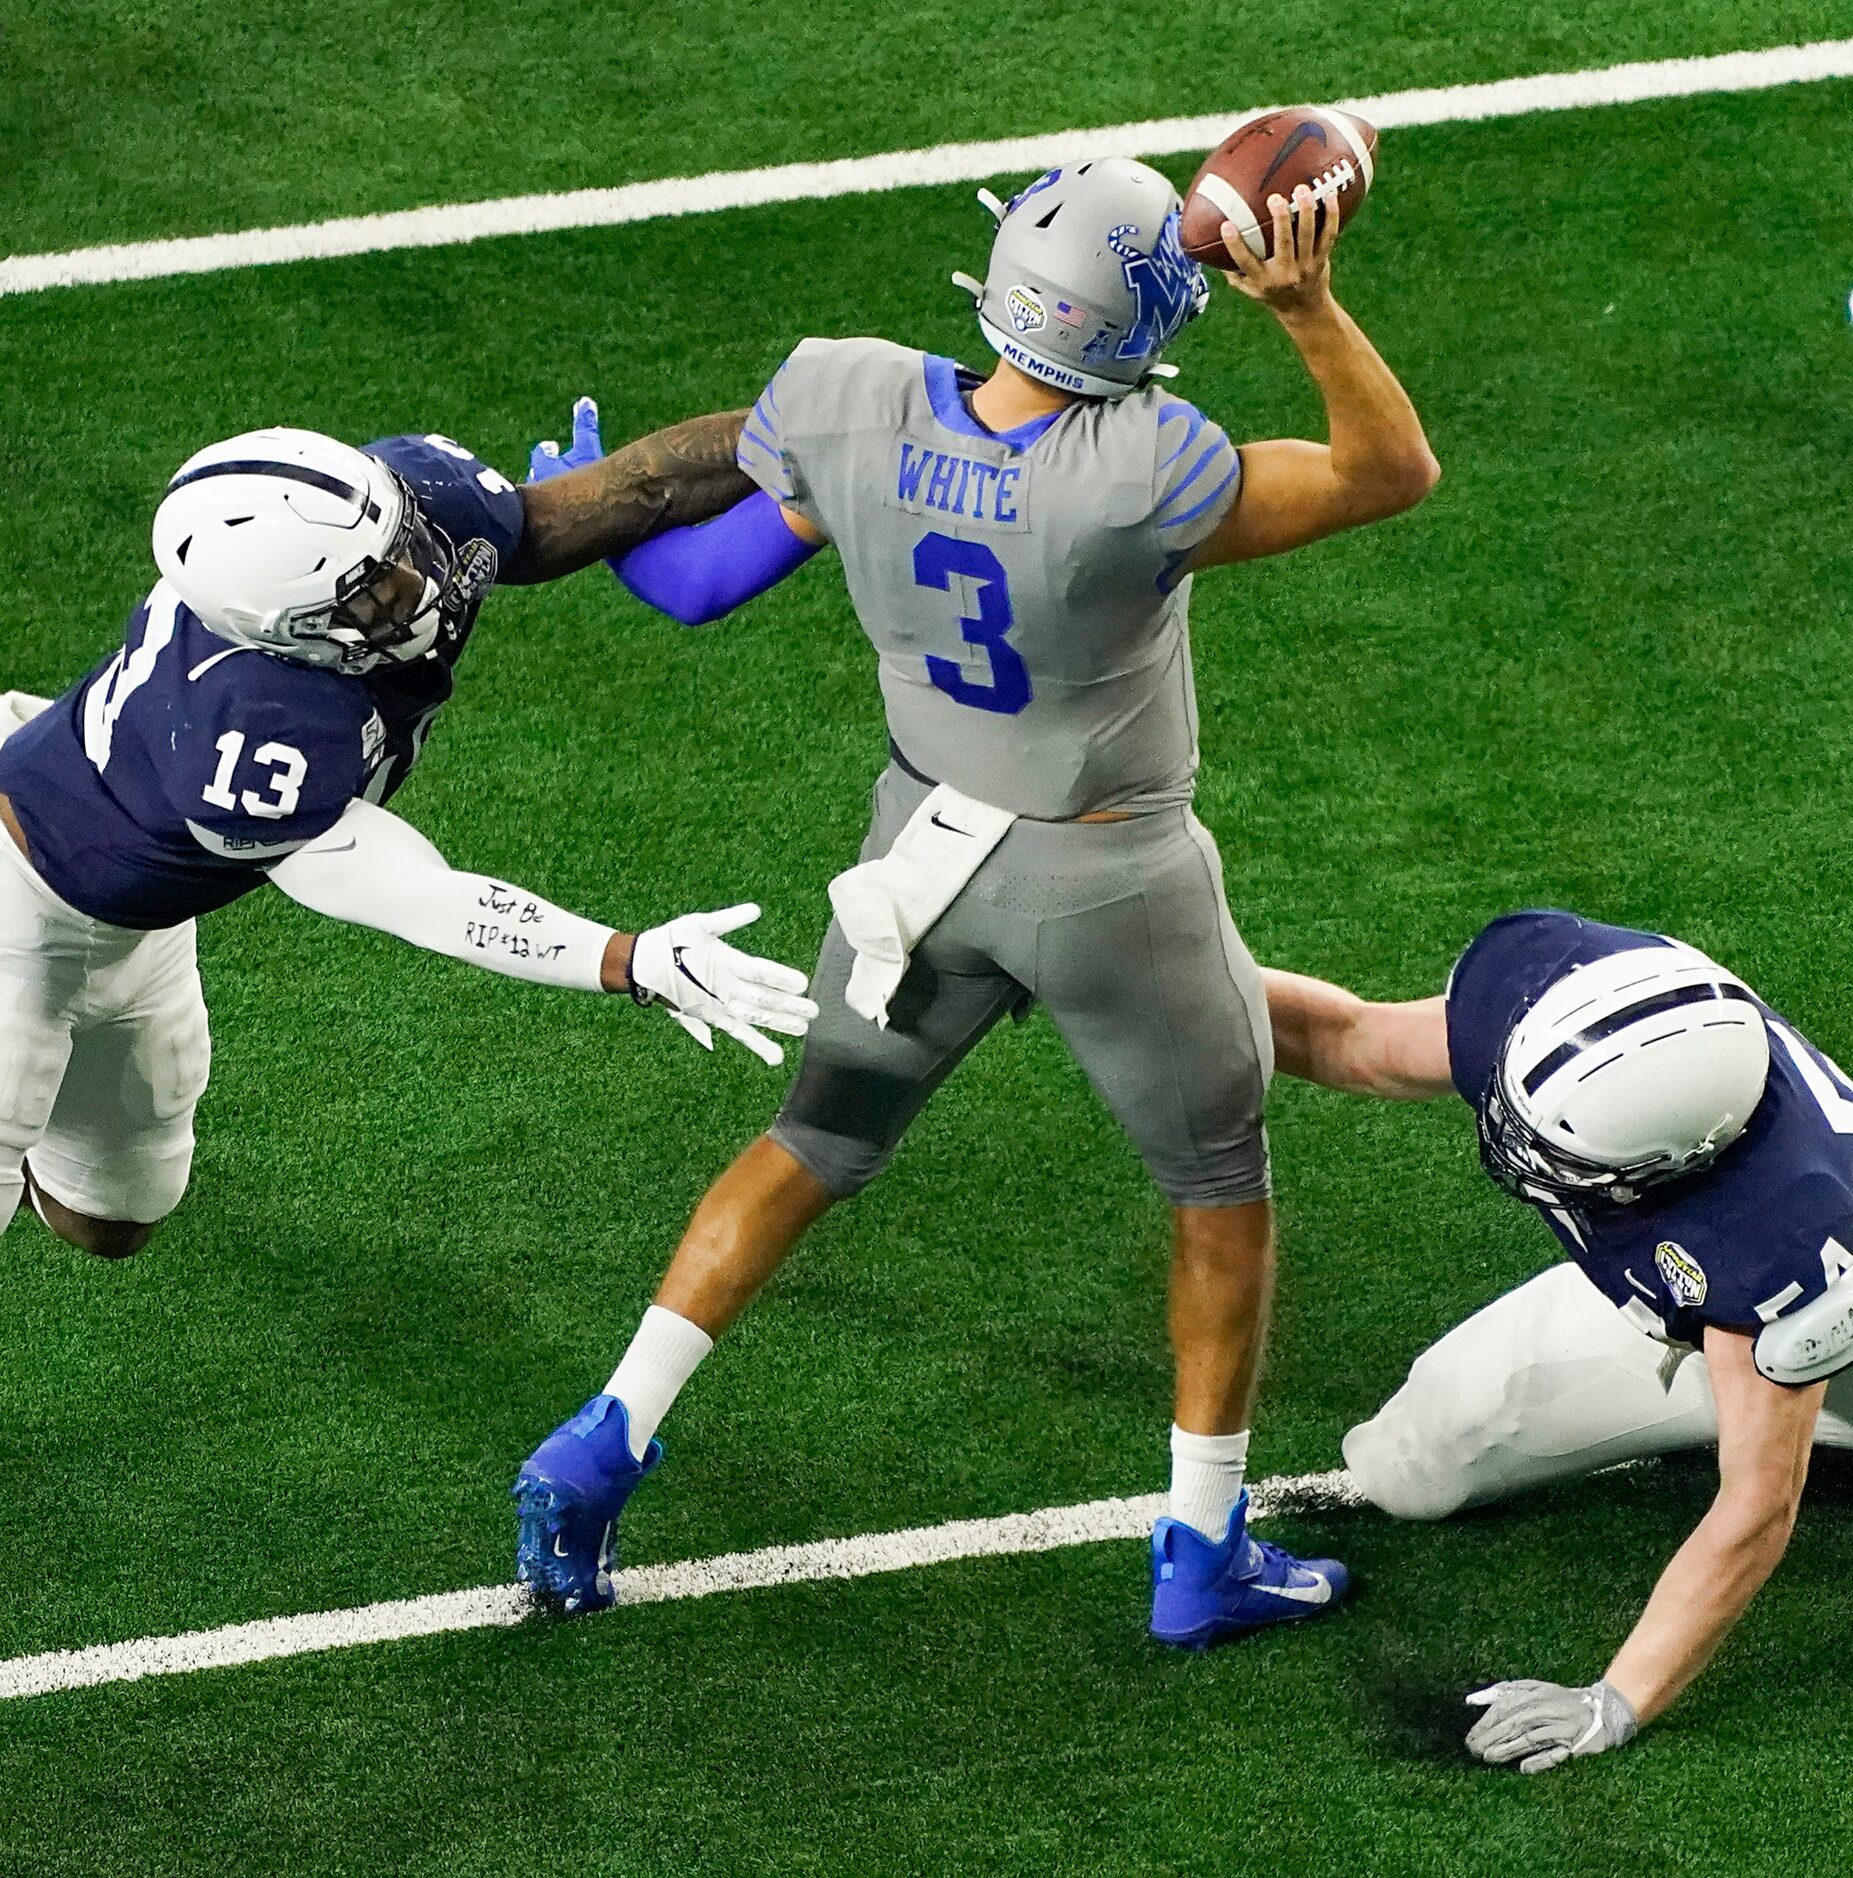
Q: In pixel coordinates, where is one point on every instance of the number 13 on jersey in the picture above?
(937, 558)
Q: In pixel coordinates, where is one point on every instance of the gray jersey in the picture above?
(1024, 590)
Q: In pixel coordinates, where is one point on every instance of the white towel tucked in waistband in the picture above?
(887, 907)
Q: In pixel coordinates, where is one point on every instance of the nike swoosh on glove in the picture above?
(709, 985)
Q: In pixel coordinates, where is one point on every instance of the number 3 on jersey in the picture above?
(936, 559)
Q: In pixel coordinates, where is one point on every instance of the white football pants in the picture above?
(1547, 1382)
(104, 1050)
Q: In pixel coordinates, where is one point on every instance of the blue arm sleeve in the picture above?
(697, 574)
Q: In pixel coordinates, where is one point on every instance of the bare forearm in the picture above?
(1376, 438)
(1327, 1035)
(683, 474)
(1701, 1595)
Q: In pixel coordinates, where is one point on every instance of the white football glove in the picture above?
(709, 985)
(1547, 1723)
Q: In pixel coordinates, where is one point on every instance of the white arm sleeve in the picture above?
(373, 869)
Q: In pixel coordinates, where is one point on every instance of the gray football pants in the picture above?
(1121, 931)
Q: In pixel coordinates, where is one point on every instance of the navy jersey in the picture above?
(1767, 1227)
(164, 782)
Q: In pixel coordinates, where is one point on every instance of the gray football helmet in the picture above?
(1088, 281)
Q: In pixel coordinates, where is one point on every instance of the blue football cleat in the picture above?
(1204, 1594)
(568, 1496)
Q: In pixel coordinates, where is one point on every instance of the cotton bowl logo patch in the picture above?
(1684, 1275)
(472, 574)
(1026, 312)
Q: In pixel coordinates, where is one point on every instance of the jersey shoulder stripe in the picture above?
(1198, 473)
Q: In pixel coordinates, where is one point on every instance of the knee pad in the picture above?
(1396, 1474)
(170, 1066)
(32, 1063)
(134, 1188)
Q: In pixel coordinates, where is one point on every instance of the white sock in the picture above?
(662, 1357)
(1206, 1479)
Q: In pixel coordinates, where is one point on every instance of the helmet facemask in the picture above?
(1530, 1167)
(387, 609)
(1622, 1074)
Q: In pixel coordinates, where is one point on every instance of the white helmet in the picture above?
(1627, 1072)
(296, 544)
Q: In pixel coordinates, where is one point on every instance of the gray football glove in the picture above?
(1548, 1723)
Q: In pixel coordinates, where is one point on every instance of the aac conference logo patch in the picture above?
(1026, 312)
(1684, 1275)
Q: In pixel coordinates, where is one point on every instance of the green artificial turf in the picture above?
(123, 120)
(1606, 666)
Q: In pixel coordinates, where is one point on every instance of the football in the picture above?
(1333, 153)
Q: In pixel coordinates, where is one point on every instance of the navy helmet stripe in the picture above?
(1620, 1020)
(290, 472)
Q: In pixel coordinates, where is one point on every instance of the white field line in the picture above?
(502, 1606)
(449, 223)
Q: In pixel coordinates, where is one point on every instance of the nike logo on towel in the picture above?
(948, 827)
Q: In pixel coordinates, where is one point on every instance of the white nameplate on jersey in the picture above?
(1684, 1275)
(926, 481)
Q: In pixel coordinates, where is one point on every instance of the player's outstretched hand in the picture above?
(1547, 1723)
(709, 985)
(1297, 276)
(546, 460)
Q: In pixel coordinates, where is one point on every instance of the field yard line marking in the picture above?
(446, 224)
(502, 1606)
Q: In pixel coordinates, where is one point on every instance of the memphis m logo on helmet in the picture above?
(295, 544)
(1088, 280)
(1633, 1070)
(1167, 286)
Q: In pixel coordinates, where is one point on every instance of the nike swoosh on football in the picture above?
(1300, 134)
(676, 954)
(948, 827)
